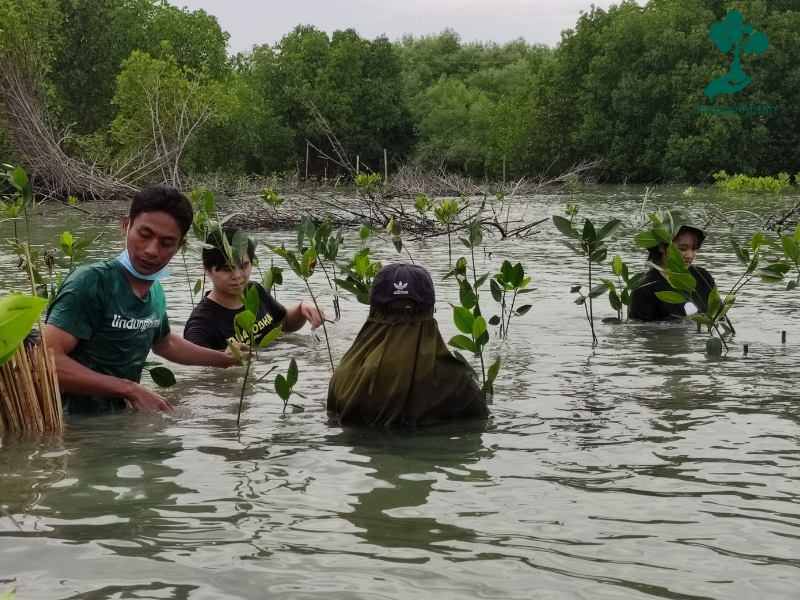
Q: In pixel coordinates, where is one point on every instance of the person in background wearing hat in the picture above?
(645, 305)
(211, 323)
(398, 370)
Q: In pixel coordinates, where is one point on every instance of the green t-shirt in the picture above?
(115, 327)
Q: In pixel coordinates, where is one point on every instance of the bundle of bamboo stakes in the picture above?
(29, 395)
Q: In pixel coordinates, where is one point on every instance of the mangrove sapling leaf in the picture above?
(284, 386)
(463, 319)
(523, 309)
(463, 342)
(18, 314)
(162, 377)
(270, 337)
(565, 227)
(198, 285)
(592, 247)
(671, 297)
(714, 346)
(494, 320)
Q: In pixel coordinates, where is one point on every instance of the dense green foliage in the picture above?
(622, 87)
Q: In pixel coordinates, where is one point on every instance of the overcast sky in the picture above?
(257, 22)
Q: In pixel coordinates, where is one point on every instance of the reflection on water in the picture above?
(637, 469)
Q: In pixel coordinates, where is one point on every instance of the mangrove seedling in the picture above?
(272, 199)
(589, 243)
(284, 386)
(304, 266)
(160, 374)
(244, 330)
(620, 292)
(359, 272)
(446, 213)
(467, 317)
(511, 278)
(272, 278)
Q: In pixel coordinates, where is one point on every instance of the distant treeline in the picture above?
(132, 81)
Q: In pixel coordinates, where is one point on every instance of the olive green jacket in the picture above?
(399, 372)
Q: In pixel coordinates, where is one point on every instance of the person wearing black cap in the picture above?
(211, 323)
(398, 370)
(645, 305)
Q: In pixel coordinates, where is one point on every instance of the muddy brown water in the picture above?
(637, 469)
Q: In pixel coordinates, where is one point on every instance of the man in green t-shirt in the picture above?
(107, 316)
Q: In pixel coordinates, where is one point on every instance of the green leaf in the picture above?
(306, 269)
(714, 302)
(481, 280)
(19, 178)
(589, 235)
(282, 388)
(599, 255)
(235, 350)
(702, 320)
(507, 270)
(364, 233)
(796, 236)
(246, 320)
(616, 302)
(645, 239)
(463, 319)
(616, 265)
(162, 377)
(598, 290)
(565, 227)
(714, 346)
(608, 229)
(742, 254)
(252, 300)
(671, 297)
(494, 369)
(18, 313)
(575, 289)
(463, 342)
(208, 202)
(9, 595)
(292, 374)
(662, 235)
(270, 337)
(790, 248)
(497, 293)
(478, 327)
(523, 309)
(495, 320)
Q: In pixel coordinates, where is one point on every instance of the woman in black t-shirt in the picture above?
(211, 323)
(645, 305)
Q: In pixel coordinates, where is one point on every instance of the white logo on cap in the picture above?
(400, 288)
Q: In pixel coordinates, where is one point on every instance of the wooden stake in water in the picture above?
(783, 337)
(698, 327)
(745, 349)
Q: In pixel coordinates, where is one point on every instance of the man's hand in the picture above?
(143, 399)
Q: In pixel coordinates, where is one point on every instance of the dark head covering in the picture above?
(398, 370)
(681, 219)
(402, 281)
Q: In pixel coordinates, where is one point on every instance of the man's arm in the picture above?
(178, 350)
(305, 312)
(74, 378)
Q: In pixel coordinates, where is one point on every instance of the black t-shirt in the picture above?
(210, 325)
(646, 306)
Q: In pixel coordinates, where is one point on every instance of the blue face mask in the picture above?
(125, 260)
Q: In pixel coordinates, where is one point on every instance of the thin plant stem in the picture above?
(590, 313)
(324, 329)
(511, 310)
(188, 279)
(244, 383)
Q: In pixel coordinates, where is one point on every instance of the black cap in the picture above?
(403, 281)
